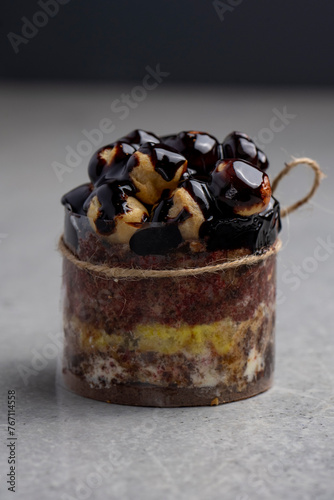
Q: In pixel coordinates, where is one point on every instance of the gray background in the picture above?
(257, 42)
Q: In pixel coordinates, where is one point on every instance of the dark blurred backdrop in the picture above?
(258, 42)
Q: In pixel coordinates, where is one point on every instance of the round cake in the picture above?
(163, 303)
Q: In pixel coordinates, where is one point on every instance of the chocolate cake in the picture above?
(170, 204)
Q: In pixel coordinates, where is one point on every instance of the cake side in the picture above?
(202, 332)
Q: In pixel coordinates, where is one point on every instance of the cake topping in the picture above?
(155, 169)
(240, 186)
(139, 137)
(183, 202)
(155, 238)
(75, 199)
(113, 212)
(158, 193)
(239, 145)
(109, 162)
(255, 232)
(202, 150)
(189, 206)
(199, 191)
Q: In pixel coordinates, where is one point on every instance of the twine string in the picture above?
(116, 273)
(318, 176)
(136, 273)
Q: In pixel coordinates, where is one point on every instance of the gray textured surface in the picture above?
(277, 445)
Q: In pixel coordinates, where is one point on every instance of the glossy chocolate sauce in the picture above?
(138, 137)
(239, 145)
(160, 213)
(238, 185)
(224, 190)
(100, 170)
(255, 232)
(199, 191)
(75, 199)
(112, 198)
(166, 160)
(201, 150)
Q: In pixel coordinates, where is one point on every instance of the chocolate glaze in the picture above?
(254, 232)
(155, 238)
(138, 137)
(161, 210)
(160, 213)
(239, 145)
(99, 170)
(201, 150)
(71, 232)
(166, 160)
(238, 184)
(199, 191)
(113, 200)
(73, 202)
(74, 199)
(221, 195)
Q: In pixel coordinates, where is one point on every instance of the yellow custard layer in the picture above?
(164, 339)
